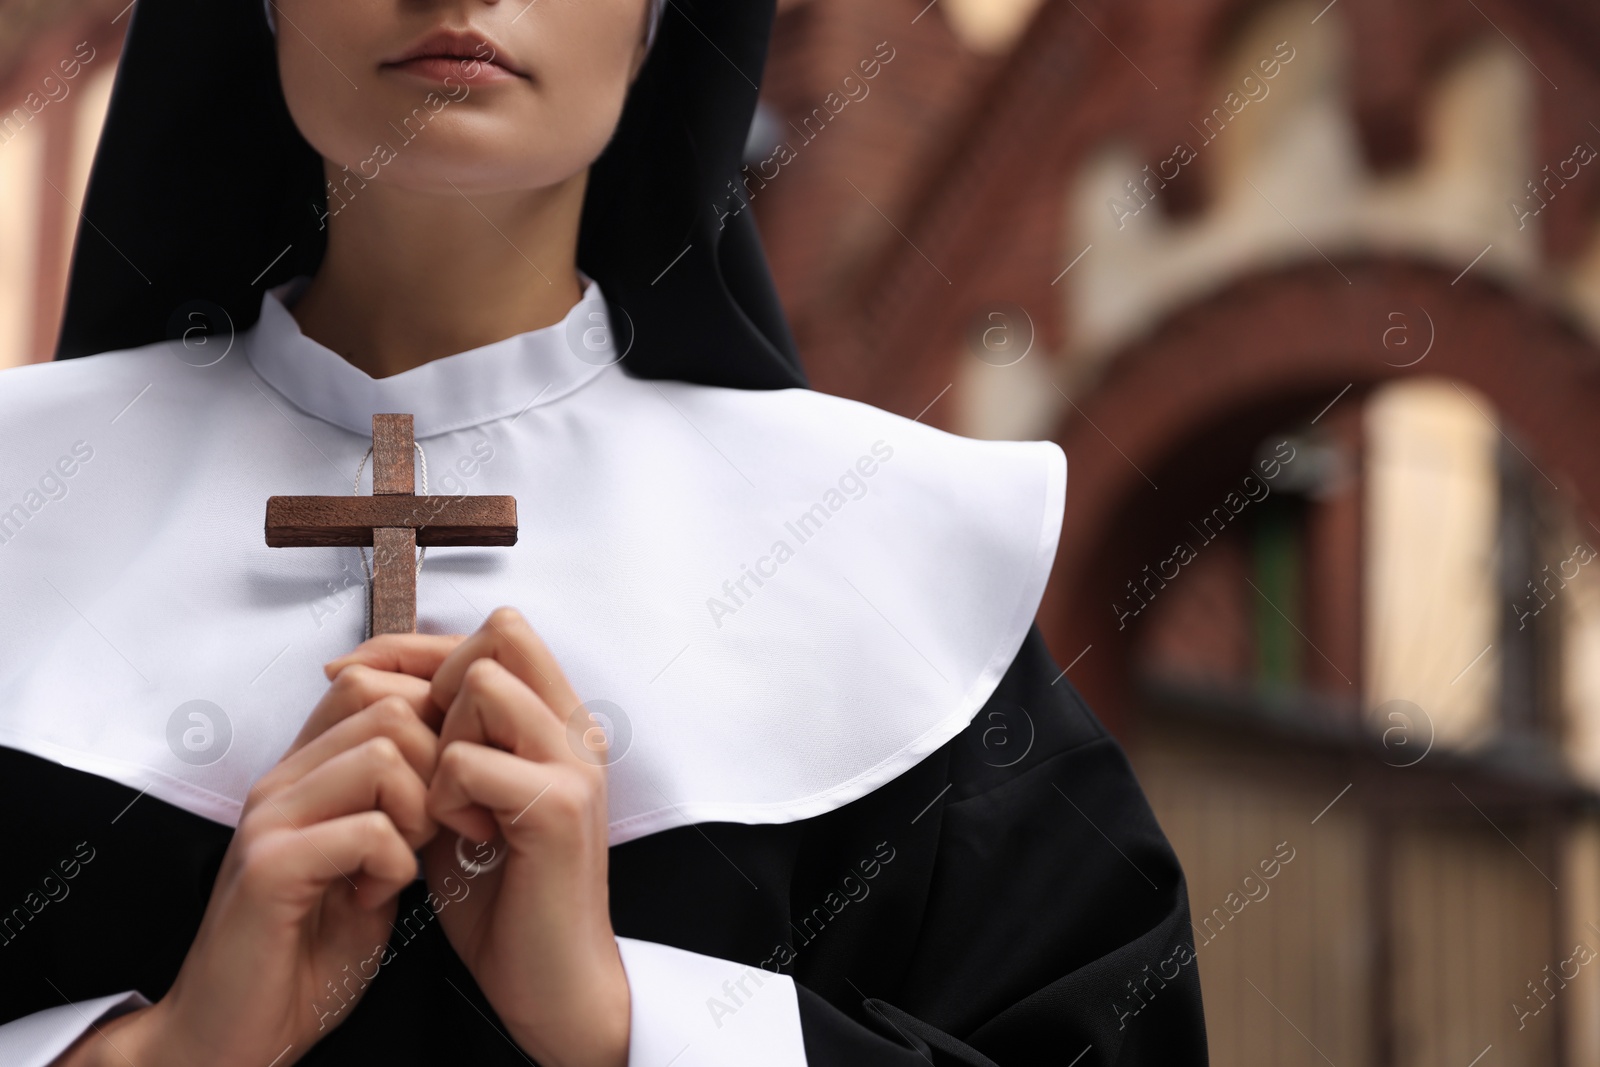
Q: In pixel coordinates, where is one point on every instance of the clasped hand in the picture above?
(420, 742)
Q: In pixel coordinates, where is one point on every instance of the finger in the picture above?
(506, 638)
(357, 688)
(391, 717)
(493, 707)
(480, 790)
(365, 849)
(372, 776)
(418, 655)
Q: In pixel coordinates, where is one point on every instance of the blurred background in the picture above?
(1310, 295)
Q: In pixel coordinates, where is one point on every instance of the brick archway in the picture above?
(1277, 349)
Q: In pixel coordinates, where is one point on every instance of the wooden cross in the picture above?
(393, 522)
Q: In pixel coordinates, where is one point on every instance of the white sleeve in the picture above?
(688, 1010)
(691, 1010)
(36, 1040)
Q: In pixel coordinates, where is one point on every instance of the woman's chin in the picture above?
(452, 180)
(469, 166)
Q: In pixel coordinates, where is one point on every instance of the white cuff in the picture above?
(688, 1010)
(691, 1010)
(36, 1040)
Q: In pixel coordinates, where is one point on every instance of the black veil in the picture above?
(202, 190)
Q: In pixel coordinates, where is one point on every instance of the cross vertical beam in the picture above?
(394, 549)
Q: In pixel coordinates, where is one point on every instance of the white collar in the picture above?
(785, 599)
(491, 382)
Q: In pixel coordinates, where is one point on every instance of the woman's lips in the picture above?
(462, 54)
(445, 68)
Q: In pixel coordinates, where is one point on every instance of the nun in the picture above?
(746, 752)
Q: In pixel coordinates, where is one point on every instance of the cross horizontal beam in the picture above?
(440, 521)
